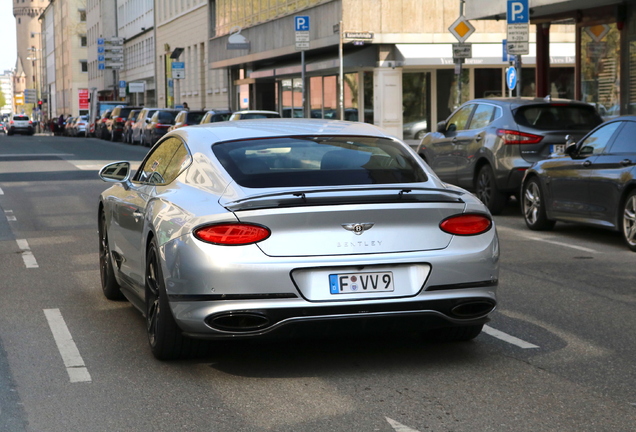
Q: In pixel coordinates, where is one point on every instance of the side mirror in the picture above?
(116, 172)
(441, 127)
(570, 149)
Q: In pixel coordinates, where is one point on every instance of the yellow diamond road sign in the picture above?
(461, 29)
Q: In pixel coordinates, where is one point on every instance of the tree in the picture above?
(3, 100)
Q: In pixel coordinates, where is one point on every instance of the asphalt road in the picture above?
(557, 356)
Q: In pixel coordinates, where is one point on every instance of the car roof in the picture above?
(520, 101)
(200, 137)
(255, 112)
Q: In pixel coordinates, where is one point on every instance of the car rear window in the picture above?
(167, 116)
(318, 161)
(194, 118)
(19, 117)
(558, 117)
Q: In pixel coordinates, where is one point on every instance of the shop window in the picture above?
(315, 97)
(367, 78)
(488, 82)
(416, 103)
(351, 97)
(447, 91)
(600, 68)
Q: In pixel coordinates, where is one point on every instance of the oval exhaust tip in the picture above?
(239, 322)
(473, 309)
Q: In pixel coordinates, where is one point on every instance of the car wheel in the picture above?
(629, 221)
(533, 206)
(109, 283)
(113, 137)
(487, 191)
(164, 336)
(419, 135)
(453, 334)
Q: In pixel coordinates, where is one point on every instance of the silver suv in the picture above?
(20, 123)
(486, 145)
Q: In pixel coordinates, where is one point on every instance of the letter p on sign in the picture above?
(518, 12)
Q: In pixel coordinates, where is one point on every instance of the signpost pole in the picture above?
(459, 66)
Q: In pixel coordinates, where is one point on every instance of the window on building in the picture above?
(82, 15)
(600, 67)
(83, 41)
(416, 100)
(84, 65)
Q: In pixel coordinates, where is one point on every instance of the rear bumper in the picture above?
(242, 293)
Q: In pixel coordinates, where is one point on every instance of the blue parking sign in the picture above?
(518, 12)
(301, 23)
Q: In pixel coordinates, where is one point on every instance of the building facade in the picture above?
(398, 68)
(182, 30)
(101, 23)
(6, 87)
(28, 50)
(135, 21)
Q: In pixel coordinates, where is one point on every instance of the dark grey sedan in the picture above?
(593, 183)
(486, 145)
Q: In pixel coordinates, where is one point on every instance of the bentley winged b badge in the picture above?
(357, 228)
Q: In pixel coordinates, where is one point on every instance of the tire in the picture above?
(453, 334)
(487, 191)
(420, 134)
(110, 287)
(113, 137)
(628, 221)
(164, 336)
(533, 206)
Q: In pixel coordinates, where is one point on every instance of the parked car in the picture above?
(486, 145)
(79, 128)
(187, 118)
(115, 124)
(213, 116)
(69, 124)
(3, 127)
(158, 125)
(128, 125)
(101, 128)
(594, 183)
(20, 123)
(253, 114)
(139, 128)
(415, 129)
(208, 246)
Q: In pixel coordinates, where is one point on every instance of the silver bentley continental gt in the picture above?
(244, 229)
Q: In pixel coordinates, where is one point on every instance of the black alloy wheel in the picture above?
(628, 221)
(533, 206)
(164, 336)
(487, 191)
(110, 287)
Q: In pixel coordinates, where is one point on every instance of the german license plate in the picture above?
(557, 148)
(353, 283)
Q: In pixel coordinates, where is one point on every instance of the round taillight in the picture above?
(232, 234)
(466, 224)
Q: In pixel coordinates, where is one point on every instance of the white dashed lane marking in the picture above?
(508, 338)
(10, 216)
(27, 255)
(73, 361)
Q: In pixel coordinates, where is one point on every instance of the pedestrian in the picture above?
(186, 107)
(60, 124)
